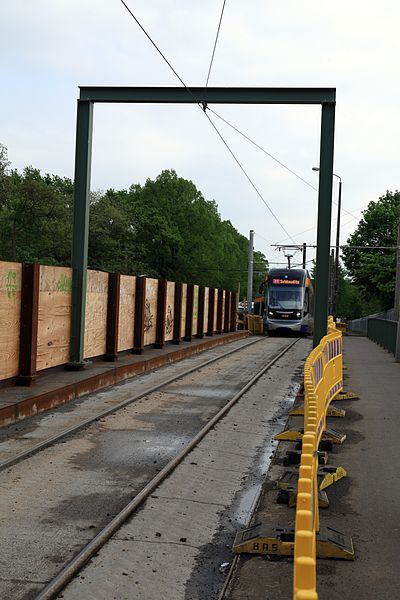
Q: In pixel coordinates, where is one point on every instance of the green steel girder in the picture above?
(195, 95)
(180, 95)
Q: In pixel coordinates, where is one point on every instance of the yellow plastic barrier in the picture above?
(342, 326)
(323, 380)
(255, 324)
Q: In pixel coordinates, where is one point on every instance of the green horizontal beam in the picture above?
(182, 95)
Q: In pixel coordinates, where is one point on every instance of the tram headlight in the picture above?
(298, 315)
(270, 313)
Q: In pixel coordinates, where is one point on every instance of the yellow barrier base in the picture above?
(293, 457)
(326, 476)
(258, 539)
(346, 396)
(292, 435)
(333, 411)
(289, 496)
(331, 475)
(336, 437)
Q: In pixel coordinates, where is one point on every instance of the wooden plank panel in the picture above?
(195, 309)
(150, 312)
(10, 308)
(206, 294)
(96, 313)
(126, 312)
(183, 318)
(223, 310)
(169, 319)
(55, 293)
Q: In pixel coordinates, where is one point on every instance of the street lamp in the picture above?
(335, 291)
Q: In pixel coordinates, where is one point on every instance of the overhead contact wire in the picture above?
(153, 43)
(279, 162)
(247, 177)
(215, 43)
(203, 107)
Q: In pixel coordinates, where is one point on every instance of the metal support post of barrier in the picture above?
(177, 326)
(220, 306)
(227, 308)
(161, 313)
(200, 313)
(28, 332)
(189, 312)
(211, 306)
(140, 300)
(233, 316)
(114, 286)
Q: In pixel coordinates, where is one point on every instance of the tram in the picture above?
(288, 301)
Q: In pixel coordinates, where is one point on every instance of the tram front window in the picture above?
(280, 297)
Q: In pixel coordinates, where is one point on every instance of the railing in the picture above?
(383, 332)
(323, 380)
(361, 325)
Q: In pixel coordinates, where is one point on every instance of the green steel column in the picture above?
(324, 221)
(83, 158)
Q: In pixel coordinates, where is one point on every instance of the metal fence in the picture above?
(361, 325)
(383, 332)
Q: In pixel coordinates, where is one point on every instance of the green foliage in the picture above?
(164, 228)
(4, 162)
(35, 217)
(373, 271)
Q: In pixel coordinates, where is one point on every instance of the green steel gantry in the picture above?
(203, 96)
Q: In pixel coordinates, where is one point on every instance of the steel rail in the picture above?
(75, 565)
(108, 411)
(235, 560)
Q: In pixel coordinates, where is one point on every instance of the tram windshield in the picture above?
(280, 296)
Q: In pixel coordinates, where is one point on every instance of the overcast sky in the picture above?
(50, 47)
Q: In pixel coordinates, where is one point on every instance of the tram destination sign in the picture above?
(278, 281)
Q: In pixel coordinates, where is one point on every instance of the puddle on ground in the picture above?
(248, 496)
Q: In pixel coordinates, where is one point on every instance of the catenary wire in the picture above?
(263, 238)
(313, 227)
(246, 137)
(248, 177)
(203, 107)
(279, 162)
(215, 43)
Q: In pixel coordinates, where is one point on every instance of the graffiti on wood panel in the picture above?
(169, 320)
(11, 284)
(148, 316)
(64, 284)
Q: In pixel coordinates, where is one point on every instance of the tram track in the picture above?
(74, 566)
(56, 502)
(5, 464)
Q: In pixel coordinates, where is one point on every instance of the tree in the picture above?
(181, 235)
(4, 162)
(35, 217)
(164, 229)
(373, 271)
